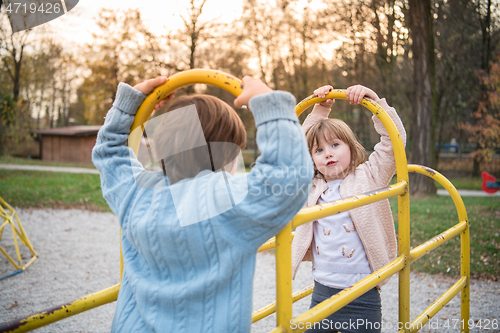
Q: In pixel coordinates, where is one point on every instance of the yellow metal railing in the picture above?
(9, 217)
(62, 311)
(282, 242)
(333, 304)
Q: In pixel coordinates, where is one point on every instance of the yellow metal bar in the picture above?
(24, 238)
(279, 329)
(284, 277)
(434, 242)
(267, 245)
(9, 258)
(3, 226)
(437, 305)
(57, 313)
(297, 296)
(404, 250)
(455, 196)
(264, 312)
(397, 142)
(121, 255)
(10, 217)
(16, 245)
(30, 262)
(220, 79)
(330, 208)
(270, 244)
(271, 308)
(326, 308)
(464, 237)
(4, 203)
(465, 272)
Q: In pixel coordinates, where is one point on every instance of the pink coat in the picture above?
(374, 222)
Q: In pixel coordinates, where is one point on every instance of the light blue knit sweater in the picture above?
(198, 278)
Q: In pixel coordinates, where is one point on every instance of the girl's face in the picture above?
(332, 158)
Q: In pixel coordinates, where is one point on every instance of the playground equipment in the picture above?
(284, 298)
(490, 184)
(10, 218)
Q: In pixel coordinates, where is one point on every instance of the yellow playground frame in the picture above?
(286, 323)
(10, 218)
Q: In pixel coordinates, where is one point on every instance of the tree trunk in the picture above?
(485, 66)
(420, 16)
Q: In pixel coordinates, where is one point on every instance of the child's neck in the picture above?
(331, 179)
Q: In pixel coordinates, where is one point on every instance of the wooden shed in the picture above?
(68, 144)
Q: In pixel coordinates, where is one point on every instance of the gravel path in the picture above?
(79, 254)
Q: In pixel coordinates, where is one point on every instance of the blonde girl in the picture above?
(347, 247)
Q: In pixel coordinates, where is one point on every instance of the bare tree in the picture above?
(115, 55)
(12, 47)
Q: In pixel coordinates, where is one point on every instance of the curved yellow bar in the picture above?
(464, 237)
(220, 79)
(448, 186)
(62, 311)
(397, 142)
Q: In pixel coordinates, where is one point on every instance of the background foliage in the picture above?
(291, 45)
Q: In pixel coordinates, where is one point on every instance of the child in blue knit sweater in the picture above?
(198, 277)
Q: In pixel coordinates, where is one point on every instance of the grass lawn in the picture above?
(25, 161)
(465, 183)
(429, 216)
(432, 215)
(52, 189)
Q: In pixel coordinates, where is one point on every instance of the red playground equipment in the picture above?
(490, 183)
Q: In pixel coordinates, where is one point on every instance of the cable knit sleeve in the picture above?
(279, 183)
(381, 162)
(111, 156)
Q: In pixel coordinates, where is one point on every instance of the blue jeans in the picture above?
(364, 314)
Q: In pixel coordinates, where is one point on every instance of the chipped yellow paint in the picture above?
(60, 312)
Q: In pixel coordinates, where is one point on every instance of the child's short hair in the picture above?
(337, 129)
(220, 123)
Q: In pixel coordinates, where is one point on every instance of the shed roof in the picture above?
(70, 130)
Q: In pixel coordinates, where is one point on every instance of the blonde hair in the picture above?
(331, 129)
(220, 124)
